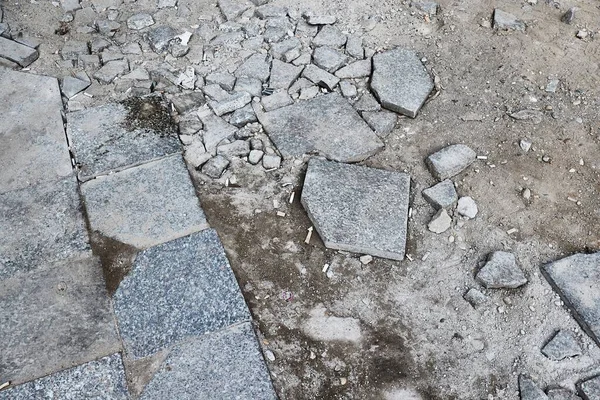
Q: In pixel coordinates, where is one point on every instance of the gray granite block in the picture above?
(226, 364)
(400, 81)
(178, 289)
(102, 379)
(577, 279)
(528, 389)
(327, 125)
(54, 317)
(16, 52)
(450, 161)
(145, 205)
(501, 272)
(117, 135)
(441, 195)
(358, 209)
(40, 224)
(590, 388)
(34, 148)
(562, 345)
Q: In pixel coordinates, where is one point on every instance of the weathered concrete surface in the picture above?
(327, 125)
(358, 209)
(577, 279)
(146, 205)
(501, 272)
(562, 345)
(103, 379)
(40, 224)
(226, 364)
(54, 317)
(450, 161)
(34, 148)
(113, 136)
(400, 81)
(192, 290)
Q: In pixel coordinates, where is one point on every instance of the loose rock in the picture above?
(501, 272)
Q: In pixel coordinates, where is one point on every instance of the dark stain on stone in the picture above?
(116, 258)
(149, 113)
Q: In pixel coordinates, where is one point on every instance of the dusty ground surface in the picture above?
(406, 332)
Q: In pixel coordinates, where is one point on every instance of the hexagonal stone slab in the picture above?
(145, 205)
(40, 224)
(358, 209)
(577, 280)
(226, 364)
(327, 125)
(102, 379)
(113, 136)
(400, 81)
(54, 317)
(34, 148)
(176, 290)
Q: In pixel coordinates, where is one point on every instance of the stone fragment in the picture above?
(276, 100)
(320, 77)
(450, 161)
(160, 37)
(576, 279)
(354, 47)
(187, 101)
(590, 388)
(215, 130)
(140, 21)
(198, 294)
(329, 36)
(501, 272)
(400, 81)
(561, 394)
(255, 156)
(313, 19)
(271, 161)
(358, 69)
(467, 207)
(243, 116)
(144, 205)
(283, 74)
(237, 148)
(562, 345)
(256, 66)
(215, 166)
(232, 9)
(71, 86)
(475, 298)
(231, 103)
(441, 195)
(198, 368)
(507, 22)
(382, 122)
(72, 49)
(340, 200)
(367, 103)
(568, 17)
(326, 124)
(250, 85)
(329, 59)
(528, 390)
(116, 135)
(111, 70)
(348, 89)
(223, 79)
(440, 222)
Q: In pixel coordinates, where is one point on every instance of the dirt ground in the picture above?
(402, 330)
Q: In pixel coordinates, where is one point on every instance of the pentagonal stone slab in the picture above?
(103, 379)
(577, 281)
(191, 288)
(145, 205)
(400, 81)
(34, 148)
(327, 125)
(114, 136)
(358, 209)
(40, 224)
(54, 317)
(223, 365)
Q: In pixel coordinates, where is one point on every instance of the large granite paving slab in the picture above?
(178, 289)
(358, 209)
(54, 318)
(326, 125)
(226, 364)
(577, 280)
(102, 379)
(33, 145)
(40, 224)
(145, 205)
(113, 136)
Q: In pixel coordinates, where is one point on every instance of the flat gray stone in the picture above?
(102, 379)
(140, 21)
(283, 74)
(590, 388)
(330, 36)
(197, 294)
(441, 195)
(329, 59)
(450, 161)
(16, 52)
(577, 279)
(326, 124)
(382, 122)
(358, 69)
(356, 208)
(320, 77)
(145, 205)
(507, 21)
(71, 86)
(276, 101)
(40, 224)
(528, 390)
(231, 103)
(223, 365)
(400, 81)
(113, 136)
(55, 316)
(33, 147)
(215, 166)
(501, 272)
(562, 345)
(561, 394)
(243, 116)
(256, 66)
(111, 70)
